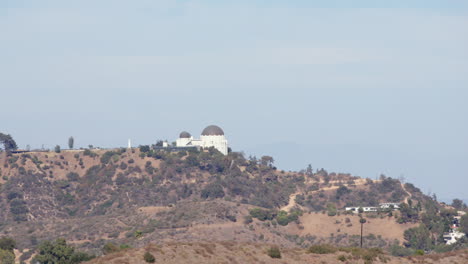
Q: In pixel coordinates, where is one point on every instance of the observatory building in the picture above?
(211, 136)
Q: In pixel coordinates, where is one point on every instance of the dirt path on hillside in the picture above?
(409, 194)
(292, 198)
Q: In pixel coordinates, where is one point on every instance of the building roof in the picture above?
(185, 134)
(213, 131)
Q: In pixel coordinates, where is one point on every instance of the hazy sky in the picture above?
(368, 88)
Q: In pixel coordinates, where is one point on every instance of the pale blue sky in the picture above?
(369, 87)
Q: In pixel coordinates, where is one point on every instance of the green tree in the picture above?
(267, 161)
(213, 190)
(309, 170)
(418, 237)
(58, 252)
(274, 252)
(458, 204)
(282, 218)
(149, 258)
(8, 142)
(57, 149)
(71, 142)
(464, 224)
(145, 148)
(110, 248)
(7, 257)
(7, 243)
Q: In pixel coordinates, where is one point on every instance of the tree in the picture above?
(458, 204)
(274, 252)
(7, 243)
(418, 237)
(8, 142)
(58, 252)
(57, 149)
(464, 224)
(7, 257)
(144, 148)
(212, 190)
(149, 258)
(110, 248)
(71, 142)
(267, 161)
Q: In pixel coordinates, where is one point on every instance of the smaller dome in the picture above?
(185, 134)
(212, 131)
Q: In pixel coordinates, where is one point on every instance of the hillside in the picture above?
(140, 196)
(231, 252)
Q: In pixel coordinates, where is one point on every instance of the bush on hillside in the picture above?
(149, 258)
(262, 214)
(7, 257)
(274, 252)
(418, 237)
(110, 248)
(399, 251)
(322, 249)
(73, 176)
(7, 243)
(212, 190)
(59, 252)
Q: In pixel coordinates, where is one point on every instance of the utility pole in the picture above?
(362, 221)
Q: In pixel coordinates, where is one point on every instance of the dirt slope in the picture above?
(232, 253)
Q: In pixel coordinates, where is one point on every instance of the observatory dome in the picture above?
(212, 131)
(185, 134)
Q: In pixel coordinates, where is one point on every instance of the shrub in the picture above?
(123, 165)
(149, 258)
(110, 248)
(57, 149)
(274, 252)
(88, 152)
(342, 258)
(282, 218)
(59, 252)
(399, 251)
(7, 243)
(248, 219)
(322, 249)
(12, 195)
(213, 190)
(18, 206)
(73, 176)
(262, 214)
(7, 257)
(106, 157)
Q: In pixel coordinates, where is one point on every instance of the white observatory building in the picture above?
(211, 136)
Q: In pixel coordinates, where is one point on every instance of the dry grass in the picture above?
(233, 252)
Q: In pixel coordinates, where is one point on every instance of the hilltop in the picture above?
(139, 196)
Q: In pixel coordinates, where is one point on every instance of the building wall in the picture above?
(183, 142)
(218, 142)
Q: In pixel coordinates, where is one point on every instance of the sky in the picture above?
(361, 87)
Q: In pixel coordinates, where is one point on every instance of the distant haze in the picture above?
(381, 88)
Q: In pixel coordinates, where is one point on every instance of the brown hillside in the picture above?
(91, 197)
(232, 252)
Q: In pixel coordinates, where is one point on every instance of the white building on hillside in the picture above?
(452, 236)
(211, 136)
(382, 206)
